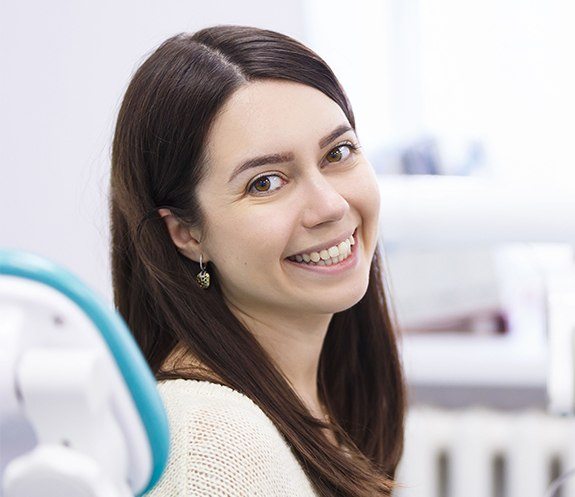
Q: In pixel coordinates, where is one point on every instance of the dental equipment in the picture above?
(75, 384)
(447, 211)
(439, 211)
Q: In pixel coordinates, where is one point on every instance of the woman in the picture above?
(244, 224)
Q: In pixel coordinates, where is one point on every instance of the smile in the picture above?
(329, 256)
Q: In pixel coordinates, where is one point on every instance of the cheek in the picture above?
(365, 191)
(247, 240)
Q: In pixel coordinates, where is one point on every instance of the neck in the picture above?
(295, 345)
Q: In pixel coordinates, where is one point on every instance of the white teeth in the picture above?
(329, 256)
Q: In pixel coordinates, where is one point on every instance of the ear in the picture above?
(185, 238)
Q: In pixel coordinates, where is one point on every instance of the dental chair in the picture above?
(80, 415)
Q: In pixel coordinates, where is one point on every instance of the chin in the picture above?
(330, 304)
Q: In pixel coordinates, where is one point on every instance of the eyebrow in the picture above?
(287, 157)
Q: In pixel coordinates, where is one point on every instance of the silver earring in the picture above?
(203, 277)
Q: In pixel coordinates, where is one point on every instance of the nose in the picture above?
(324, 202)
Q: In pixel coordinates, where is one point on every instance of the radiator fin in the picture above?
(484, 453)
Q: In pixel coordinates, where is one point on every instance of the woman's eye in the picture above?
(263, 183)
(340, 153)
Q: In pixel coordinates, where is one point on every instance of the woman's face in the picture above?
(312, 192)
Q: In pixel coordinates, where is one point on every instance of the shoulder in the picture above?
(216, 416)
(180, 394)
(222, 443)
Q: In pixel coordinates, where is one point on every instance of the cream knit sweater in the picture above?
(223, 445)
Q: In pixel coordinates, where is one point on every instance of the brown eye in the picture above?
(336, 155)
(265, 184)
(262, 184)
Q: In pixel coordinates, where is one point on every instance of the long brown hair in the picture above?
(157, 161)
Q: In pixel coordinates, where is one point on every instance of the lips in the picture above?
(327, 245)
(328, 270)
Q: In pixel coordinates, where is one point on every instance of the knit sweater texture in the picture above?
(223, 445)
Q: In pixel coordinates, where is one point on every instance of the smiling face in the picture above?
(313, 189)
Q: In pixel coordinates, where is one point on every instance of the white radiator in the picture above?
(485, 453)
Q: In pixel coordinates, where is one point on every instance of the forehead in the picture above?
(267, 117)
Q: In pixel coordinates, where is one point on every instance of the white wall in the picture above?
(64, 67)
(502, 71)
(489, 71)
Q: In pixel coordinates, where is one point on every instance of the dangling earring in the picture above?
(203, 277)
